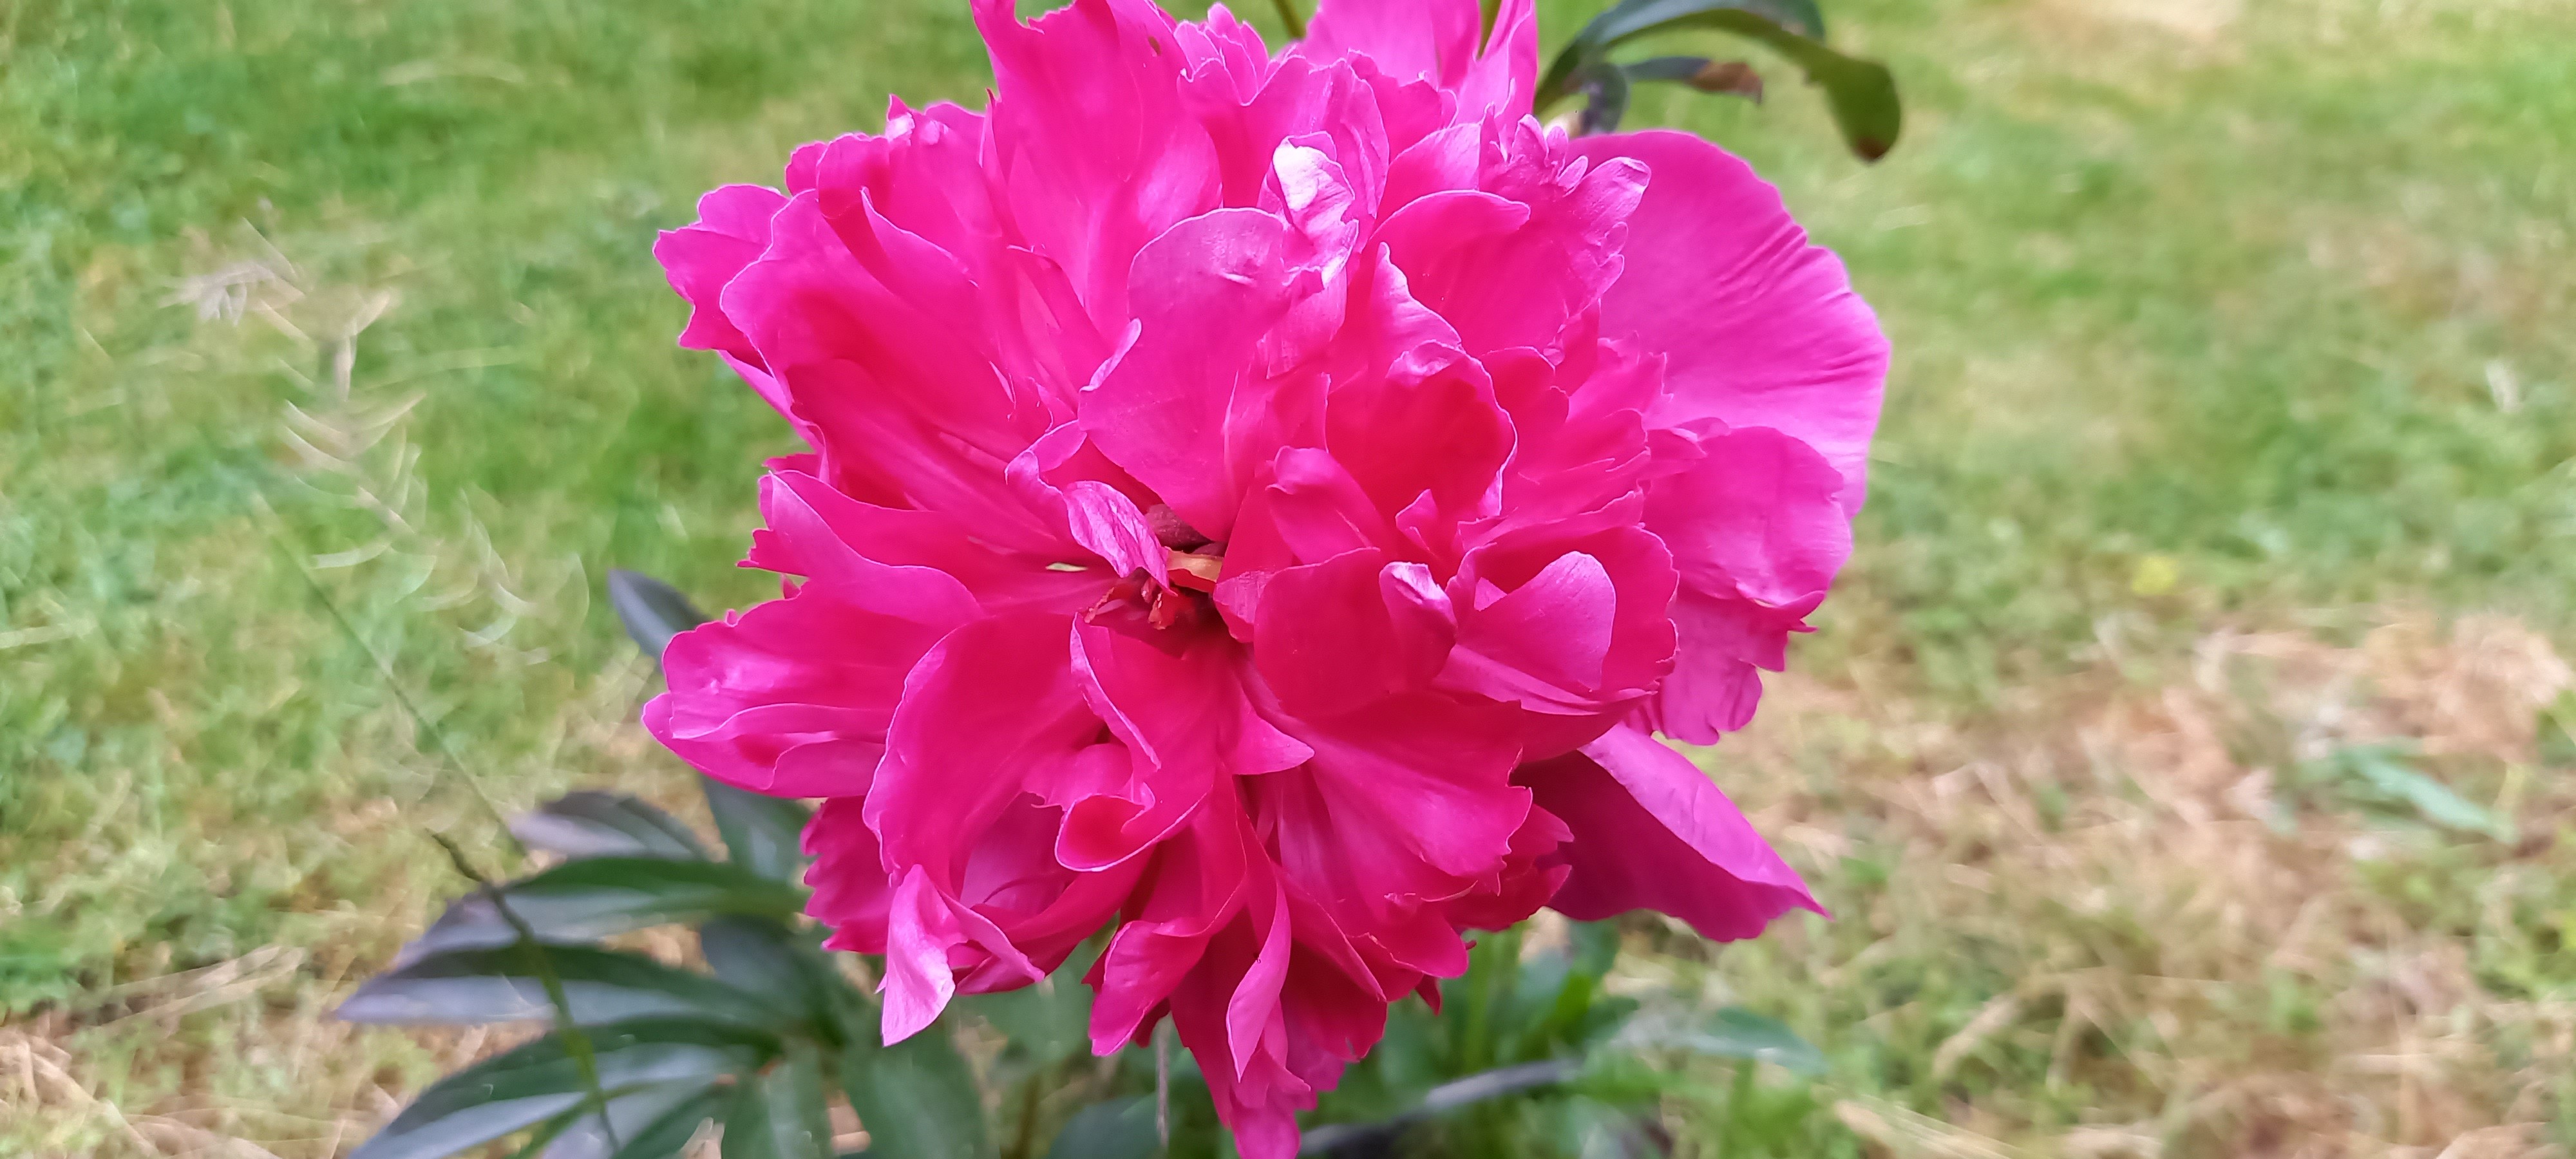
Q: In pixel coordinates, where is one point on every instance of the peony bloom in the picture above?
(1264, 504)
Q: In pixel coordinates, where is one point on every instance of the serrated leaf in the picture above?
(541, 1080)
(595, 824)
(584, 901)
(652, 611)
(917, 1098)
(505, 985)
(1119, 1130)
(762, 834)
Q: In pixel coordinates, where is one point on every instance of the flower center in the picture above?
(1136, 600)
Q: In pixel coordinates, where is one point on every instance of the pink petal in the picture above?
(1438, 41)
(731, 231)
(1651, 832)
(1518, 277)
(1205, 294)
(1762, 329)
(852, 894)
(1186, 723)
(1091, 136)
(900, 420)
(1407, 798)
(984, 715)
(1354, 630)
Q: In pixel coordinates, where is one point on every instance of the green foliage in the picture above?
(1861, 93)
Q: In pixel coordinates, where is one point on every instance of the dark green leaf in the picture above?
(781, 1114)
(654, 1123)
(762, 957)
(1485, 1086)
(747, 1133)
(762, 834)
(1739, 1033)
(1605, 86)
(917, 1098)
(668, 1136)
(1731, 77)
(1634, 18)
(582, 901)
(504, 985)
(538, 1081)
(1043, 1024)
(1121, 1130)
(652, 611)
(1861, 93)
(595, 824)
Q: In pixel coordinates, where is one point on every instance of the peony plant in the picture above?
(1259, 509)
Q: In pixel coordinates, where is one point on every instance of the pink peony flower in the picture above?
(1265, 503)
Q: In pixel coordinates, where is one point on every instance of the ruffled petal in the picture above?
(1167, 409)
(1651, 832)
(731, 231)
(1757, 534)
(1762, 329)
(1094, 146)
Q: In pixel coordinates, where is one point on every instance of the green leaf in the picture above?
(652, 611)
(666, 1136)
(1606, 86)
(1123, 1129)
(1739, 1033)
(778, 966)
(541, 1080)
(654, 1123)
(1634, 18)
(1047, 1023)
(596, 824)
(1861, 93)
(762, 834)
(504, 985)
(2382, 775)
(781, 1114)
(1731, 77)
(917, 1098)
(582, 901)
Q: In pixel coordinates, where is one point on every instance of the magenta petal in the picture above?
(1109, 524)
(1092, 132)
(987, 711)
(1762, 329)
(920, 927)
(852, 894)
(1351, 631)
(731, 231)
(1205, 293)
(1652, 832)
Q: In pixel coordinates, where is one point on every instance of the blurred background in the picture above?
(2186, 755)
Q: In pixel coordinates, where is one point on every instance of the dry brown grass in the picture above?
(2107, 925)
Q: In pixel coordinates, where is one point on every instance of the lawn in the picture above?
(2226, 501)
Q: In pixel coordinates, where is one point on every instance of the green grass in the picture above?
(2257, 321)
